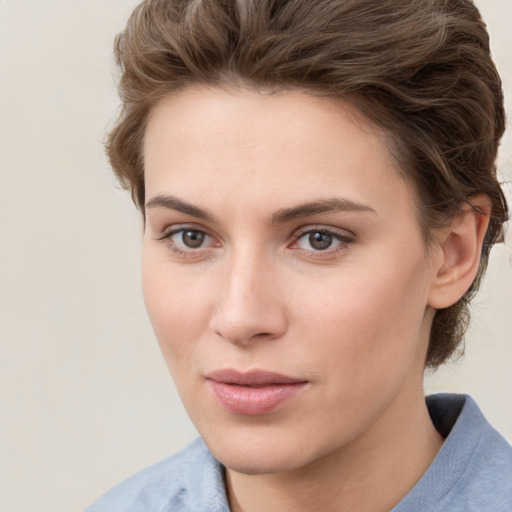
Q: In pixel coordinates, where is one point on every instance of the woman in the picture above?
(317, 180)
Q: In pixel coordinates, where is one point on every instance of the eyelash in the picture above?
(170, 232)
(344, 241)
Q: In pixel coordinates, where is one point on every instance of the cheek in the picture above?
(367, 319)
(178, 307)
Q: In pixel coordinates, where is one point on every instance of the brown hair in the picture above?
(419, 69)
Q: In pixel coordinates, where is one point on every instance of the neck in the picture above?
(371, 474)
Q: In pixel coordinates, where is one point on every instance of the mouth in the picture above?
(253, 393)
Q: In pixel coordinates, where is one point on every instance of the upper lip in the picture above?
(251, 378)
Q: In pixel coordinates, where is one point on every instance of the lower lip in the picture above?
(254, 401)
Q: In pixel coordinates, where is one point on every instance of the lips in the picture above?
(255, 392)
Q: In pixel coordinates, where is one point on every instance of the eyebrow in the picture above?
(335, 204)
(173, 203)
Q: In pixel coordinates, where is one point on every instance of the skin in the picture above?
(352, 320)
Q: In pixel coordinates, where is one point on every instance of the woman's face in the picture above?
(284, 274)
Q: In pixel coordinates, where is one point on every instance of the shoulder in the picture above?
(473, 470)
(486, 482)
(190, 480)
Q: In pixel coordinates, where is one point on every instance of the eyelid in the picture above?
(176, 228)
(180, 250)
(344, 240)
(338, 233)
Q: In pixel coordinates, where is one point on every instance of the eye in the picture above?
(191, 238)
(187, 240)
(321, 240)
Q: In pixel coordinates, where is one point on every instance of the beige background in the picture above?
(85, 399)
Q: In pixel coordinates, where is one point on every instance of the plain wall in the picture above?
(85, 397)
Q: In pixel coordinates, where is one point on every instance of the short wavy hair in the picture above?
(421, 70)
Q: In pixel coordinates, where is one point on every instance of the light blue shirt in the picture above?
(471, 473)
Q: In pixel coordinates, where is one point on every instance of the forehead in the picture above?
(282, 147)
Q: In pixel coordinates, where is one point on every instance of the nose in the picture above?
(249, 306)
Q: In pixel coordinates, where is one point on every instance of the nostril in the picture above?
(243, 332)
(248, 308)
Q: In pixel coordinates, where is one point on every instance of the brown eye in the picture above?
(189, 240)
(320, 241)
(192, 238)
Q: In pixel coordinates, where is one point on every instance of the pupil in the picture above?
(320, 241)
(192, 238)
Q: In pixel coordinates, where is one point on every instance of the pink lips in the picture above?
(253, 393)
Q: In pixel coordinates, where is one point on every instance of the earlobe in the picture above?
(460, 250)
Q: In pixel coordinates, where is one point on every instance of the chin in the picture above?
(258, 453)
(256, 462)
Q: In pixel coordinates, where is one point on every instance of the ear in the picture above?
(460, 247)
